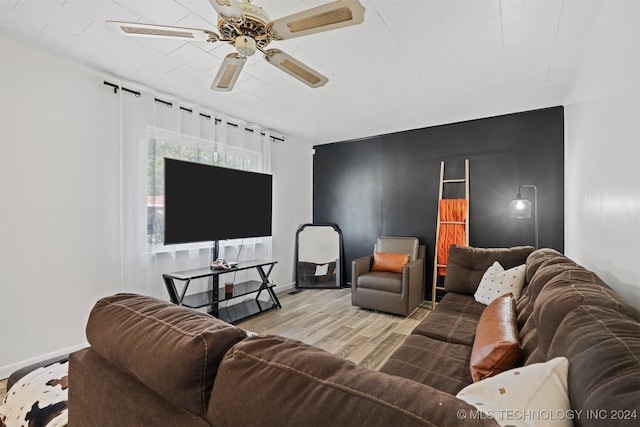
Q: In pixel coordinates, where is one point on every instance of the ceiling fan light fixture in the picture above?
(245, 45)
(248, 28)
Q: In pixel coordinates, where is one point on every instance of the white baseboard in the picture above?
(7, 370)
(287, 287)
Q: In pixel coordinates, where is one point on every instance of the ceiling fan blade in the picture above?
(329, 16)
(228, 8)
(297, 69)
(161, 31)
(228, 72)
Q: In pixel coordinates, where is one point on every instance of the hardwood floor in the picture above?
(325, 318)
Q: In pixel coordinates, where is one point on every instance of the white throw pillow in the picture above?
(497, 282)
(534, 395)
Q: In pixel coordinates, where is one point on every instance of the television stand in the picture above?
(212, 298)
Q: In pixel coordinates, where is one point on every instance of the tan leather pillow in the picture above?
(496, 347)
(389, 262)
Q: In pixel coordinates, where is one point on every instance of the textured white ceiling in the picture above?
(413, 63)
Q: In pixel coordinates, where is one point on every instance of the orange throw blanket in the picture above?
(451, 234)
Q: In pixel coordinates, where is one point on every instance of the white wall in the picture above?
(59, 219)
(602, 153)
(292, 168)
(60, 247)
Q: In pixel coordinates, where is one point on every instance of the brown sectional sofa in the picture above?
(154, 363)
(564, 310)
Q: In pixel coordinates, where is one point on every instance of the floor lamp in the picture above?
(521, 208)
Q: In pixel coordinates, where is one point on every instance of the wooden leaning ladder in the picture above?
(437, 266)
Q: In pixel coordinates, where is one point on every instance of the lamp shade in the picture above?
(520, 208)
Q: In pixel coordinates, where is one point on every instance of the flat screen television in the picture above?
(211, 203)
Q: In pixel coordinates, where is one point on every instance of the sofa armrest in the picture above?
(413, 268)
(413, 283)
(102, 395)
(160, 343)
(358, 267)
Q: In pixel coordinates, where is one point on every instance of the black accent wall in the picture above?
(388, 185)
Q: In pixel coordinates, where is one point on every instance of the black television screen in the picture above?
(208, 203)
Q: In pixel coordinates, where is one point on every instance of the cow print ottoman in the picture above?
(38, 399)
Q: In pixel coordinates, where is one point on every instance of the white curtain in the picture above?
(154, 126)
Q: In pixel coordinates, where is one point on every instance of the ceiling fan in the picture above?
(248, 28)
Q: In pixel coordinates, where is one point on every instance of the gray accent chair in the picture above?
(397, 293)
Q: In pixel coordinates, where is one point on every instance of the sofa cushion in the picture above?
(524, 308)
(467, 264)
(462, 304)
(602, 346)
(536, 258)
(393, 263)
(531, 396)
(551, 266)
(549, 269)
(496, 347)
(432, 362)
(449, 326)
(173, 350)
(381, 281)
(529, 342)
(497, 281)
(275, 381)
(568, 290)
(454, 320)
(540, 258)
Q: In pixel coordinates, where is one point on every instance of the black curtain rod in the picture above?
(235, 126)
(124, 89)
(136, 93)
(114, 86)
(167, 103)
(251, 130)
(188, 110)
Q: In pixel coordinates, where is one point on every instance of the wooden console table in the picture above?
(217, 294)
